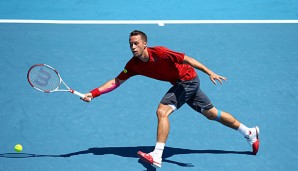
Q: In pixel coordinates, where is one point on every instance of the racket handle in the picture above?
(78, 93)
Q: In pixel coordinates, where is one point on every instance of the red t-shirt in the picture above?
(163, 64)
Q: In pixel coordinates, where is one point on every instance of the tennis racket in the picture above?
(46, 79)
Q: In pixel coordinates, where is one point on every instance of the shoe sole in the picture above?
(144, 159)
(154, 164)
(257, 132)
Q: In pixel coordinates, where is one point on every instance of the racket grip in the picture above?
(78, 94)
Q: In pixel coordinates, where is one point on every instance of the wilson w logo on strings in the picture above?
(42, 78)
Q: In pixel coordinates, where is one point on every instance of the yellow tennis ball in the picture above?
(18, 148)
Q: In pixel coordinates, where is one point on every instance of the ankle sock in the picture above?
(159, 147)
(243, 130)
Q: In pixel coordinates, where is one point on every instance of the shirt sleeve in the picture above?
(127, 71)
(176, 57)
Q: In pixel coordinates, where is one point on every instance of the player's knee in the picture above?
(161, 113)
(210, 115)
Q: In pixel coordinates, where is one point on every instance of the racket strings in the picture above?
(44, 78)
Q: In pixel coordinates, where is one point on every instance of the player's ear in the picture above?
(145, 44)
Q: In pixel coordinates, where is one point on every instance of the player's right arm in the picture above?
(113, 83)
(105, 88)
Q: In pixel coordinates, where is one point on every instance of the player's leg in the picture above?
(163, 127)
(224, 118)
(173, 99)
(202, 104)
(251, 134)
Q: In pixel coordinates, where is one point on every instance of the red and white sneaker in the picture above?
(253, 139)
(150, 158)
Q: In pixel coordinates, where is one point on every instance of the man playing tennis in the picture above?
(164, 64)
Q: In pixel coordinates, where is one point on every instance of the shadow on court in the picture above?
(132, 153)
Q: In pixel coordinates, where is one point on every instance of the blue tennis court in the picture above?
(58, 131)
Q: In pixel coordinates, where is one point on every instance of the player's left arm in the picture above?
(196, 64)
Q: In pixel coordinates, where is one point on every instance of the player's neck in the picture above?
(145, 56)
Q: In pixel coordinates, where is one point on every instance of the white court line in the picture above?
(159, 22)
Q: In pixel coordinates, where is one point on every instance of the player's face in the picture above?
(137, 45)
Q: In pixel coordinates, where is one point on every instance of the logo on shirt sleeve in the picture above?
(125, 70)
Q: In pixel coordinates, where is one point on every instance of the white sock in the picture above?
(159, 147)
(243, 130)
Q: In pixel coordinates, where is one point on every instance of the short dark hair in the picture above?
(138, 32)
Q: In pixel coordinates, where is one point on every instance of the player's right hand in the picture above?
(88, 97)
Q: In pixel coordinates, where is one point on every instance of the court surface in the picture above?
(58, 131)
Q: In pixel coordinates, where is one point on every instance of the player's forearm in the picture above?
(203, 68)
(109, 86)
(105, 88)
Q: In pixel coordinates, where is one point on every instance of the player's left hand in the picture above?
(214, 77)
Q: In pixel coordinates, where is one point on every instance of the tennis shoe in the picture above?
(150, 158)
(253, 139)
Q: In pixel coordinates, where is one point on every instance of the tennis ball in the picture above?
(18, 148)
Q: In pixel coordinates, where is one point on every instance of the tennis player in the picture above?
(177, 68)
